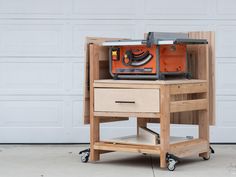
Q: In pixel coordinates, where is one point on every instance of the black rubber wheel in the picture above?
(171, 165)
(85, 158)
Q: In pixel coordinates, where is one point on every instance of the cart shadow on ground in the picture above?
(131, 160)
(144, 161)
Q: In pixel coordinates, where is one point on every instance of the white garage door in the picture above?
(41, 60)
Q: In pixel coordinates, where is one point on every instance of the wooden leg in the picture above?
(141, 122)
(164, 125)
(164, 138)
(204, 129)
(94, 137)
(94, 121)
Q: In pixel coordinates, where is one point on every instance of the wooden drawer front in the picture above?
(126, 100)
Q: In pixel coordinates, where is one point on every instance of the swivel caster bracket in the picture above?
(85, 155)
(212, 151)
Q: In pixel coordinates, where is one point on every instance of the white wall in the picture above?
(41, 60)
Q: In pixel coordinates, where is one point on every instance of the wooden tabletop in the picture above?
(150, 82)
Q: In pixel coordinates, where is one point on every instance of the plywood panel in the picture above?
(99, 55)
(126, 100)
(202, 66)
(209, 72)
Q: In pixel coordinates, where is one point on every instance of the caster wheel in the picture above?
(171, 164)
(85, 157)
(212, 150)
(206, 158)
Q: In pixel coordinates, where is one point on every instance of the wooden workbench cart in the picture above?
(163, 102)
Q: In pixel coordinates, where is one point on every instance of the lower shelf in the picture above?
(137, 140)
(127, 147)
(180, 149)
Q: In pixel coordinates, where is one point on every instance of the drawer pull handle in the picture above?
(132, 102)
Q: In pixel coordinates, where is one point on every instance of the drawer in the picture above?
(126, 100)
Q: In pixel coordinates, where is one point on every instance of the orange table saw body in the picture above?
(165, 58)
(157, 56)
